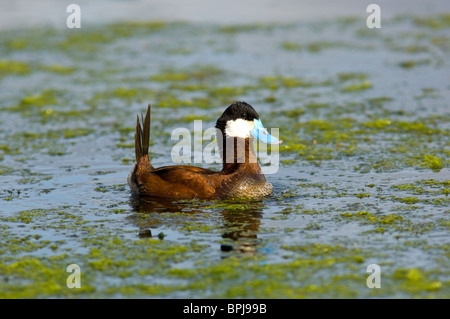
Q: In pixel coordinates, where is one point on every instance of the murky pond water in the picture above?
(364, 168)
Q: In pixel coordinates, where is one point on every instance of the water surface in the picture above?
(363, 178)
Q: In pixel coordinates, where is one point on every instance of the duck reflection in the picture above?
(241, 220)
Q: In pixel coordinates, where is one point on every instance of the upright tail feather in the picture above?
(142, 137)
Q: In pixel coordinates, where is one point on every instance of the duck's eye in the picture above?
(243, 115)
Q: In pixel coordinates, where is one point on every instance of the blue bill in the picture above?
(261, 133)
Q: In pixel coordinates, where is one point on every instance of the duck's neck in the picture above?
(238, 154)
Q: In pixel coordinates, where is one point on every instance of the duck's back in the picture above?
(177, 182)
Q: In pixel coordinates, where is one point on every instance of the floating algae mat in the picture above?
(363, 176)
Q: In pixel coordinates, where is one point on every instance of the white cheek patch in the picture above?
(239, 128)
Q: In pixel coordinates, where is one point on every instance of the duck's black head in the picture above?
(237, 120)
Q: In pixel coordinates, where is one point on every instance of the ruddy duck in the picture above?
(240, 176)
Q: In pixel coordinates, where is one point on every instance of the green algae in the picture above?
(434, 183)
(76, 132)
(410, 200)
(352, 76)
(233, 29)
(315, 46)
(276, 82)
(287, 280)
(424, 187)
(197, 73)
(291, 46)
(347, 135)
(122, 93)
(432, 162)
(379, 123)
(409, 187)
(13, 67)
(59, 68)
(91, 40)
(191, 118)
(47, 280)
(434, 22)
(362, 195)
(370, 218)
(18, 68)
(409, 64)
(357, 87)
(111, 256)
(417, 282)
(45, 98)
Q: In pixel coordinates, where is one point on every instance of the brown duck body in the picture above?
(240, 176)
